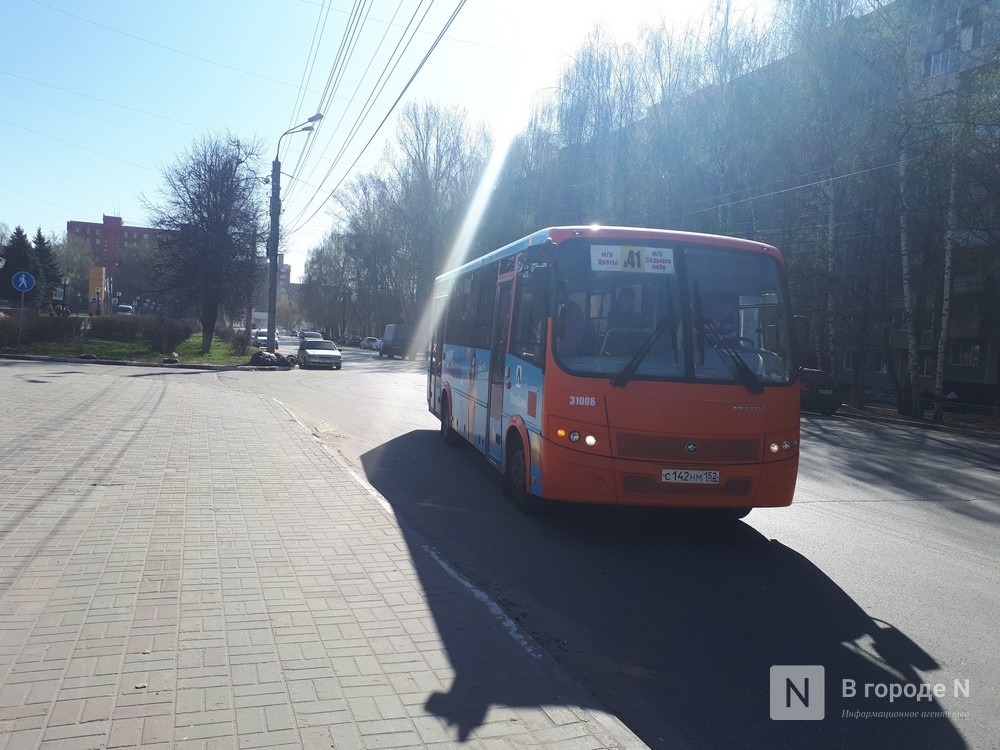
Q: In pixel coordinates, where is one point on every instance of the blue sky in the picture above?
(97, 97)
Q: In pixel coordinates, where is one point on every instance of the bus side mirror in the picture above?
(539, 293)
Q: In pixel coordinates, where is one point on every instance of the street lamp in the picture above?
(272, 239)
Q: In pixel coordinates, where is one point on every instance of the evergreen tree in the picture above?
(20, 256)
(49, 273)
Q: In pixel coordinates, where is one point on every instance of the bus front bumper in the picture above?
(574, 476)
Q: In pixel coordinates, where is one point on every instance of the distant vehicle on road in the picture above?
(398, 341)
(125, 310)
(310, 335)
(319, 353)
(818, 391)
(371, 342)
(260, 339)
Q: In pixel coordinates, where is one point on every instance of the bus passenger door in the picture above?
(435, 356)
(498, 364)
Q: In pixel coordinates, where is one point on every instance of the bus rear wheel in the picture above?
(448, 435)
(517, 482)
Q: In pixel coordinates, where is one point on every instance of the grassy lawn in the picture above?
(187, 353)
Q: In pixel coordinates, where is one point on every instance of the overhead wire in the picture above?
(377, 88)
(162, 46)
(345, 51)
(307, 71)
(409, 82)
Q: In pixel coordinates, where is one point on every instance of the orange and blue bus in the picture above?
(628, 366)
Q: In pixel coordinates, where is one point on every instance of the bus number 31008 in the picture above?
(583, 401)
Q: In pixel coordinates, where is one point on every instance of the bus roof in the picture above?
(557, 235)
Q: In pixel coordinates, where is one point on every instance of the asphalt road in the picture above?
(883, 573)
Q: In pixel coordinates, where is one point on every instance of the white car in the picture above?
(371, 342)
(319, 353)
(260, 339)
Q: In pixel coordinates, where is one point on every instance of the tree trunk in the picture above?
(909, 305)
(209, 315)
(949, 243)
(831, 274)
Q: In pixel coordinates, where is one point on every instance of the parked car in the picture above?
(319, 353)
(125, 310)
(260, 339)
(818, 391)
(397, 341)
(371, 342)
(352, 340)
(310, 335)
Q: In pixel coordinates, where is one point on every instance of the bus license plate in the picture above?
(689, 476)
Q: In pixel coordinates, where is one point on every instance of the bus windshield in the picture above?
(679, 312)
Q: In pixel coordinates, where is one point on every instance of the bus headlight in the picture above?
(781, 446)
(576, 437)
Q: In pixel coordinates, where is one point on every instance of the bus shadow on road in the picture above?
(671, 624)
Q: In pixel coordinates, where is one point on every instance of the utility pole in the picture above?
(272, 240)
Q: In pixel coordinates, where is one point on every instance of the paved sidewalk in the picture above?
(185, 565)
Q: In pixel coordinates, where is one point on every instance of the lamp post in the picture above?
(65, 298)
(272, 239)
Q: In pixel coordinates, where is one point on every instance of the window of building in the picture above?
(986, 31)
(929, 368)
(964, 354)
(848, 360)
(879, 365)
(940, 63)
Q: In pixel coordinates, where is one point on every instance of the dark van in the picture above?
(818, 391)
(397, 341)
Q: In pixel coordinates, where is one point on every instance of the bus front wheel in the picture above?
(449, 436)
(724, 514)
(517, 482)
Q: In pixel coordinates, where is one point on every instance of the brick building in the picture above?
(108, 238)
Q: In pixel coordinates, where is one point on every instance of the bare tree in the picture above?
(326, 295)
(210, 217)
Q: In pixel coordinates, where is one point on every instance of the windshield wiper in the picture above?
(740, 368)
(621, 379)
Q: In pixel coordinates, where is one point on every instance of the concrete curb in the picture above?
(131, 363)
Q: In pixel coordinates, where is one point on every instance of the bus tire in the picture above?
(517, 482)
(448, 435)
(724, 514)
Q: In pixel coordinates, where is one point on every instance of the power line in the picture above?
(423, 61)
(344, 53)
(357, 88)
(162, 46)
(377, 89)
(102, 101)
(74, 145)
(314, 47)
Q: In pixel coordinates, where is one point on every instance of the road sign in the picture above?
(23, 281)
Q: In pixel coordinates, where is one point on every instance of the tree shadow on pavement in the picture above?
(670, 624)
